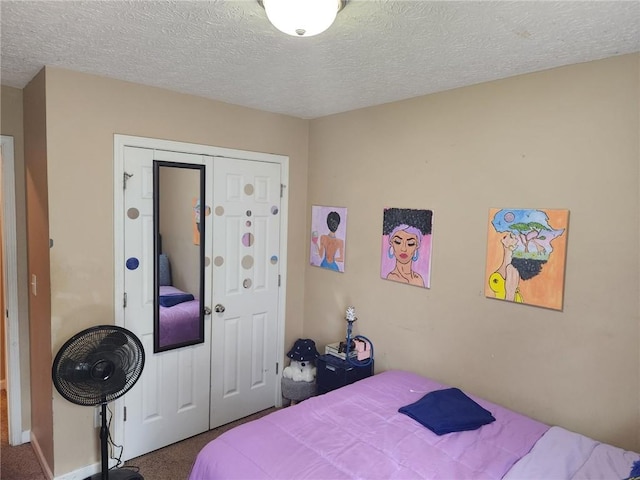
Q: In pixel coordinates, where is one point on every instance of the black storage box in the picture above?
(333, 372)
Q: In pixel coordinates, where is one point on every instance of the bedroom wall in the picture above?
(572, 131)
(3, 355)
(83, 114)
(11, 118)
(36, 175)
(565, 138)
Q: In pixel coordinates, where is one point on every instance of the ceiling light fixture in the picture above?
(302, 18)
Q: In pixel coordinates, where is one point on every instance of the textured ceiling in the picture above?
(377, 51)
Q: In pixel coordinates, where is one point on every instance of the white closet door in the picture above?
(170, 402)
(246, 249)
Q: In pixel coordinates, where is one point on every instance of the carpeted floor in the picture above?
(170, 463)
(16, 463)
(175, 461)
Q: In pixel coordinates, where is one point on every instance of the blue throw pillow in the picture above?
(446, 411)
(175, 299)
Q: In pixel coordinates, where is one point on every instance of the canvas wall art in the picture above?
(406, 246)
(526, 253)
(328, 237)
(195, 205)
(196, 212)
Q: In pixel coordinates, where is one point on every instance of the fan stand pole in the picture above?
(104, 446)
(106, 474)
(104, 437)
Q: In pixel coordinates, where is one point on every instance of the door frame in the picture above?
(11, 319)
(119, 144)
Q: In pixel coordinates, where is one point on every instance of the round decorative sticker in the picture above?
(248, 223)
(219, 210)
(248, 213)
(248, 189)
(274, 210)
(274, 259)
(133, 213)
(247, 283)
(132, 263)
(218, 261)
(207, 261)
(247, 262)
(247, 239)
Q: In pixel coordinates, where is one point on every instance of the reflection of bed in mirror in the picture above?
(179, 311)
(180, 319)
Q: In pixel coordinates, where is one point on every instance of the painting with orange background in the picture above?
(195, 204)
(526, 253)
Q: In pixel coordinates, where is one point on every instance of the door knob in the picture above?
(207, 311)
(219, 308)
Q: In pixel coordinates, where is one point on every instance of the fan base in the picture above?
(118, 474)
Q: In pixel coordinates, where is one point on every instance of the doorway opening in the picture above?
(10, 320)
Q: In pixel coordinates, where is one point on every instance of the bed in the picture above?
(358, 432)
(179, 311)
(179, 316)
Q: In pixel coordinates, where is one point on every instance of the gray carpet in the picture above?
(16, 463)
(175, 461)
(170, 463)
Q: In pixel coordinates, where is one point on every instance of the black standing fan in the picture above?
(95, 367)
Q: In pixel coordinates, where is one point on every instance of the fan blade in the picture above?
(115, 383)
(116, 339)
(75, 372)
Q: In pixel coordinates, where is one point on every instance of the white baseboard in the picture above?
(43, 463)
(81, 473)
(26, 436)
(84, 472)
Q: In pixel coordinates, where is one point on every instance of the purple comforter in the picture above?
(357, 432)
(179, 323)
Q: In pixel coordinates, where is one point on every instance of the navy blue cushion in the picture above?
(446, 411)
(175, 299)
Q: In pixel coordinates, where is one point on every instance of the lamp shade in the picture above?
(302, 18)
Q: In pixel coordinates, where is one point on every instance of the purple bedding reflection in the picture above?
(179, 323)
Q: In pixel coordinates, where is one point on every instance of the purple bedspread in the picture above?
(180, 323)
(357, 432)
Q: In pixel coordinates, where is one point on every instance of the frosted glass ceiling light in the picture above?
(302, 18)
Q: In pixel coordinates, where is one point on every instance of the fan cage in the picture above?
(98, 365)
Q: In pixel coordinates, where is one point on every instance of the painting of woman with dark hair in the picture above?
(327, 250)
(406, 246)
(526, 256)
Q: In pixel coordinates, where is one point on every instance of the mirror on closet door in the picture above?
(179, 254)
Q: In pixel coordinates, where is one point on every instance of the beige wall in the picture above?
(11, 124)
(35, 155)
(564, 138)
(83, 114)
(3, 351)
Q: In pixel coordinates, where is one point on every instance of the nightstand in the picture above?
(333, 372)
